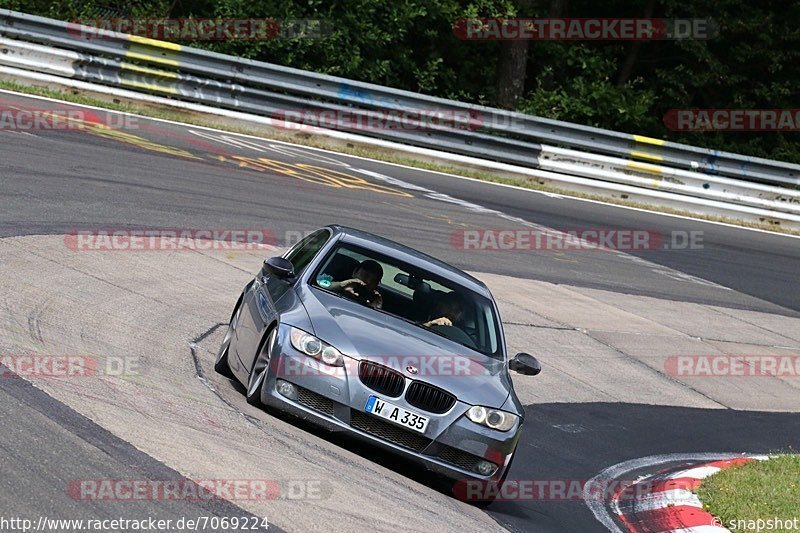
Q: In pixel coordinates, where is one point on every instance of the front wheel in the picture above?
(255, 383)
(222, 366)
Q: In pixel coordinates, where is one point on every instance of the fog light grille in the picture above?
(315, 401)
(459, 458)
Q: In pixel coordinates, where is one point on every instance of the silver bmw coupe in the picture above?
(360, 334)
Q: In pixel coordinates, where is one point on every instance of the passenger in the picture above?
(363, 286)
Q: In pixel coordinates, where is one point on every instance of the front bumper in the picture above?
(334, 398)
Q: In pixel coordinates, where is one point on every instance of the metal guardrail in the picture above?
(667, 179)
(194, 75)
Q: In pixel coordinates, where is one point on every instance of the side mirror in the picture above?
(279, 267)
(525, 363)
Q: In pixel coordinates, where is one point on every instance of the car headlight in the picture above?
(493, 418)
(313, 347)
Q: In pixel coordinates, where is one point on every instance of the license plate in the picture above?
(395, 413)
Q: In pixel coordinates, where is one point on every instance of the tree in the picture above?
(623, 86)
(513, 65)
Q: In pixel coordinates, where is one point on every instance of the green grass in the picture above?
(316, 141)
(756, 490)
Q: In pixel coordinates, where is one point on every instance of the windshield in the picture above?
(413, 294)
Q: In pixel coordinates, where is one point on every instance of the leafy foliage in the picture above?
(410, 44)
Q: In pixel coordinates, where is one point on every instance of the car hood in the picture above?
(363, 333)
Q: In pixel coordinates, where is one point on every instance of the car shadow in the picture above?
(573, 442)
(401, 465)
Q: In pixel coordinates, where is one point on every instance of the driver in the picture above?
(448, 311)
(363, 286)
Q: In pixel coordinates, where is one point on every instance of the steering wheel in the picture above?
(455, 334)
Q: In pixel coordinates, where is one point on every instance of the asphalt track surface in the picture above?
(33, 466)
(104, 181)
(54, 182)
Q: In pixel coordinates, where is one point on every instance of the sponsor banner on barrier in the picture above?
(733, 365)
(583, 29)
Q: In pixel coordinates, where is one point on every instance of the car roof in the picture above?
(409, 255)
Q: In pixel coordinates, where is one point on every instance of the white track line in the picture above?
(598, 508)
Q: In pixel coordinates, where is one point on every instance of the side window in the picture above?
(305, 250)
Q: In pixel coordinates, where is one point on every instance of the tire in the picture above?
(222, 366)
(255, 383)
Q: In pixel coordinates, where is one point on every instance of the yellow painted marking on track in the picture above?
(263, 164)
(117, 135)
(153, 42)
(149, 71)
(648, 140)
(104, 131)
(310, 173)
(645, 155)
(353, 182)
(646, 167)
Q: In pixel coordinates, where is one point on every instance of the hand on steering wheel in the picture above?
(441, 321)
